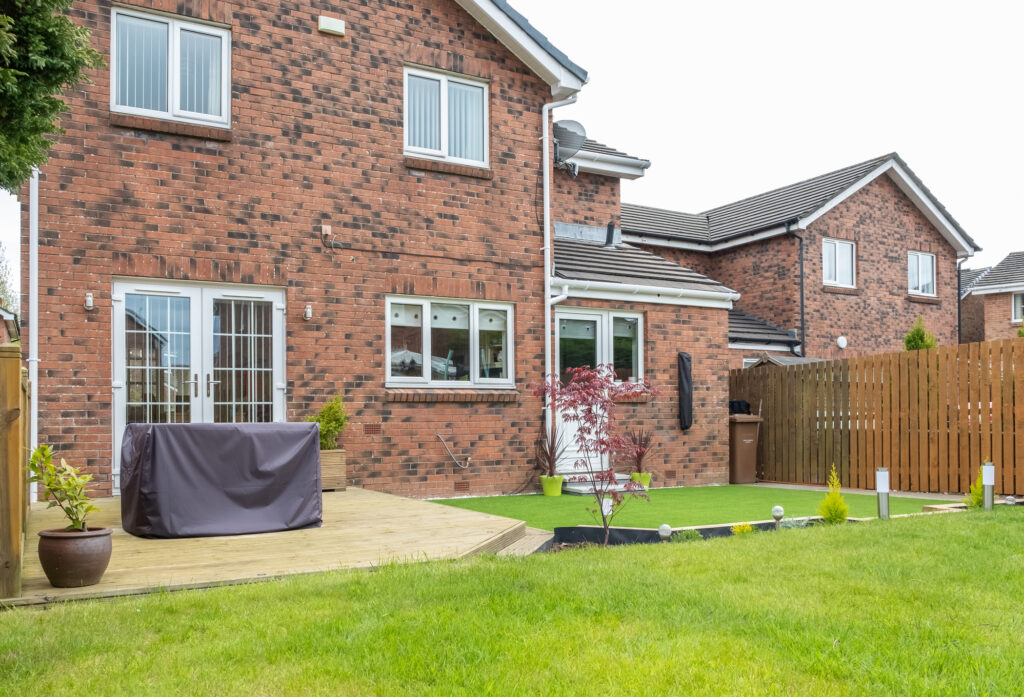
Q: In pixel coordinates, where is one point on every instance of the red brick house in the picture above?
(837, 265)
(268, 205)
(992, 300)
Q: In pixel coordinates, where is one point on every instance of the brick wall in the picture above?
(972, 317)
(998, 312)
(316, 139)
(589, 199)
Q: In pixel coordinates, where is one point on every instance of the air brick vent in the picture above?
(462, 487)
(371, 429)
(670, 474)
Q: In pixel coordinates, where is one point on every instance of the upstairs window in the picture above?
(839, 263)
(921, 273)
(445, 117)
(1018, 307)
(170, 69)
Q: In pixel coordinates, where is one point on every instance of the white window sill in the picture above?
(167, 116)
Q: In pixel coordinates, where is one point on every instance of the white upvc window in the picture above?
(445, 117)
(747, 362)
(170, 68)
(921, 273)
(466, 343)
(1018, 307)
(839, 263)
(588, 337)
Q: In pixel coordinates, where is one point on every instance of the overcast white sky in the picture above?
(728, 99)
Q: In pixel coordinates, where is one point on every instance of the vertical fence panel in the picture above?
(12, 470)
(855, 449)
(893, 375)
(1018, 414)
(1006, 464)
(985, 401)
(963, 414)
(995, 418)
(933, 419)
(949, 419)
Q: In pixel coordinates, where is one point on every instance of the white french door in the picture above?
(578, 341)
(196, 354)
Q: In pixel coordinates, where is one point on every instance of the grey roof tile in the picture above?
(969, 277)
(746, 328)
(783, 360)
(1009, 271)
(534, 34)
(591, 261)
(590, 145)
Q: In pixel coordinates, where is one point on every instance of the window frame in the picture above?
(175, 26)
(1014, 317)
(853, 262)
(610, 348)
(911, 256)
(444, 78)
(606, 342)
(475, 306)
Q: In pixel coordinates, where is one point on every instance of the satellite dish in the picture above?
(569, 137)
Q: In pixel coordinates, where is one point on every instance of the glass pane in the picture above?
(141, 63)
(465, 121)
(493, 326)
(844, 264)
(406, 340)
(158, 361)
(913, 280)
(1018, 306)
(423, 113)
(928, 274)
(200, 87)
(577, 345)
(626, 348)
(830, 262)
(243, 359)
(449, 341)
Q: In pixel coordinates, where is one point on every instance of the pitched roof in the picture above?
(969, 277)
(748, 329)
(590, 145)
(772, 209)
(598, 158)
(541, 40)
(1007, 273)
(783, 360)
(591, 261)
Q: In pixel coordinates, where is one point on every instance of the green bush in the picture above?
(1020, 332)
(917, 338)
(976, 496)
(832, 508)
(686, 536)
(63, 486)
(793, 523)
(742, 529)
(332, 419)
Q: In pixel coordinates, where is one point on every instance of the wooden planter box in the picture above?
(332, 470)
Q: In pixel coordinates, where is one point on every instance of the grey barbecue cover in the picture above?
(194, 480)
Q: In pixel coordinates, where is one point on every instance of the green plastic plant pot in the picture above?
(552, 485)
(643, 477)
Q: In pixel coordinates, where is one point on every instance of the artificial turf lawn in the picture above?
(928, 605)
(696, 505)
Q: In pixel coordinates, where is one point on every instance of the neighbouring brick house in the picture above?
(992, 300)
(271, 204)
(837, 265)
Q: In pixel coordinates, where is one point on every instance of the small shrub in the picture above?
(917, 338)
(1020, 332)
(975, 498)
(63, 486)
(332, 419)
(742, 529)
(832, 508)
(793, 523)
(686, 536)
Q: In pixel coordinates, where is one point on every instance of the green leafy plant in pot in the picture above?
(548, 450)
(639, 445)
(332, 419)
(76, 555)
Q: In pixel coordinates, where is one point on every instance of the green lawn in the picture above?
(697, 505)
(922, 606)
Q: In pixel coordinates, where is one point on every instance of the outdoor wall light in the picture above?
(307, 314)
(89, 304)
(841, 342)
(664, 531)
(988, 483)
(777, 513)
(882, 487)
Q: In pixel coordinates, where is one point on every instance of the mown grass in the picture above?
(696, 505)
(928, 605)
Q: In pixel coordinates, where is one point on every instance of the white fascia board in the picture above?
(610, 165)
(760, 347)
(701, 247)
(563, 83)
(923, 202)
(991, 290)
(627, 292)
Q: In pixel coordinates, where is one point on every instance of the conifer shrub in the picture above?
(742, 529)
(832, 508)
(976, 496)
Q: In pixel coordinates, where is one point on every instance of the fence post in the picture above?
(12, 472)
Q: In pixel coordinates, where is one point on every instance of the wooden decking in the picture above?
(361, 529)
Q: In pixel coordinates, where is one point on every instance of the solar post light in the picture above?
(664, 532)
(988, 484)
(1010, 500)
(777, 513)
(882, 487)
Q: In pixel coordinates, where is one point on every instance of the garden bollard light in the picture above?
(777, 513)
(988, 483)
(882, 487)
(664, 532)
(1010, 500)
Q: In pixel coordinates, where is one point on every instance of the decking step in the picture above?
(534, 540)
(493, 545)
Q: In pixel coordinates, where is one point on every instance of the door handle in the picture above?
(194, 381)
(210, 382)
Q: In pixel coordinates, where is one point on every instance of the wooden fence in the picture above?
(14, 439)
(932, 417)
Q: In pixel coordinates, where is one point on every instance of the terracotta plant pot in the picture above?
(552, 485)
(73, 559)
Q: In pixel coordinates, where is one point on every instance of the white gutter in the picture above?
(1002, 288)
(631, 292)
(33, 317)
(610, 165)
(559, 298)
(545, 139)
